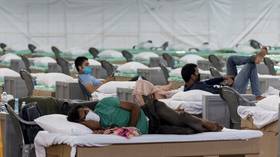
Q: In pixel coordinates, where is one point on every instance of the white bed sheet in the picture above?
(100, 96)
(45, 139)
(192, 107)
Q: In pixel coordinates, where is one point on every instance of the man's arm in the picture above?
(134, 112)
(215, 81)
(93, 125)
(91, 88)
(108, 79)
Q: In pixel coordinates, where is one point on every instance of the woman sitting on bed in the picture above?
(110, 112)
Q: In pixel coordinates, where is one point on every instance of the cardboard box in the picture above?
(269, 141)
(43, 93)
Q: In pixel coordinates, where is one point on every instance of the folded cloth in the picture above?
(260, 116)
(127, 132)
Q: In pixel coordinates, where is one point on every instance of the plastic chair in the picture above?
(25, 75)
(64, 65)
(56, 51)
(127, 55)
(169, 59)
(165, 72)
(84, 90)
(233, 99)
(110, 69)
(216, 62)
(214, 72)
(270, 65)
(142, 43)
(23, 148)
(255, 44)
(31, 47)
(3, 46)
(26, 63)
(163, 46)
(94, 52)
(193, 49)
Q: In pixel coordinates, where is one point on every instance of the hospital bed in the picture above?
(212, 144)
(269, 141)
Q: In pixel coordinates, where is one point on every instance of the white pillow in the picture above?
(49, 79)
(131, 67)
(176, 72)
(43, 60)
(93, 62)
(110, 54)
(8, 72)
(8, 57)
(269, 103)
(145, 56)
(111, 87)
(191, 95)
(58, 123)
(191, 58)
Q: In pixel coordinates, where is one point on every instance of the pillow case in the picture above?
(43, 61)
(131, 67)
(111, 87)
(8, 72)
(191, 95)
(8, 57)
(50, 79)
(110, 54)
(58, 123)
(145, 56)
(191, 58)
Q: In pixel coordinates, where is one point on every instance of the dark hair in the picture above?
(79, 61)
(187, 71)
(73, 114)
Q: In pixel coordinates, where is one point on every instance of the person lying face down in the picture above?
(85, 75)
(110, 112)
(239, 81)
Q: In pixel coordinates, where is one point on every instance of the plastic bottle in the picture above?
(4, 100)
(16, 107)
(23, 104)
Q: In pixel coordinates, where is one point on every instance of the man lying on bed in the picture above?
(239, 81)
(110, 112)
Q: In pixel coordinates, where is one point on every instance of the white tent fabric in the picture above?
(123, 23)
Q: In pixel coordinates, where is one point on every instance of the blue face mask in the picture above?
(87, 70)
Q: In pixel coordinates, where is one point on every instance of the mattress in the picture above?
(45, 139)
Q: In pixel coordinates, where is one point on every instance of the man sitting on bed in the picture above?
(85, 75)
(239, 81)
(110, 112)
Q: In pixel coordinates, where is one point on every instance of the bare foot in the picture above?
(212, 126)
(260, 56)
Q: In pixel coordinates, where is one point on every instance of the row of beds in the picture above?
(229, 142)
(249, 141)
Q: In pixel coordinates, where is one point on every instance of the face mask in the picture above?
(87, 70)
(92, 116)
